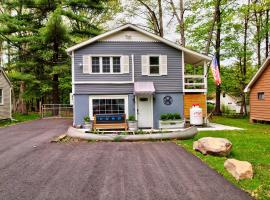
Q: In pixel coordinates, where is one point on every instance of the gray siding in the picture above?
(5, 109)
(170, 83)
(104, 88)
(161, 108)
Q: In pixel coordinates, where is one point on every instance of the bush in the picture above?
(226, 109)
(86, 119)
(210, 107)
(170, 116)
(131, 118)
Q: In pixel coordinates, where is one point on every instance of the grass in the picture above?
(252, 144)
(19, 118)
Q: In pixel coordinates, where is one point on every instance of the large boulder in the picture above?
(239, 169)
(213, 146)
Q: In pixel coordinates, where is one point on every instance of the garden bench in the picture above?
(110, 121)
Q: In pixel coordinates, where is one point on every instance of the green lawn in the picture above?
(252, 144)
(19, 118)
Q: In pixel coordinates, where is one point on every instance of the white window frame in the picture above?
(91, 97)
(149, 74)
(101, 64)
(2, 89)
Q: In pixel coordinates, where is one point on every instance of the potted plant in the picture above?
(132, 123)
(170, 121)
(87, 123)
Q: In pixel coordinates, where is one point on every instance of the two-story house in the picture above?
(129, 70)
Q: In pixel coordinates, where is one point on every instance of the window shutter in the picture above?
(86, 64)
(125, 64)
(163, 64)
(145, 64)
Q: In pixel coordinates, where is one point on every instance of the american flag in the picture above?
(215, 71)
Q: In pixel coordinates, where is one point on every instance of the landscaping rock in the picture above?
(59, 138)
(239, 169)
(213, 146)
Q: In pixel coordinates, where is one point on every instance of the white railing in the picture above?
(195, 83)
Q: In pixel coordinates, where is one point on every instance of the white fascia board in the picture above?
(101, 82)
(172, 44)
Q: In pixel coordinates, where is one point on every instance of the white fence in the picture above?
(57, 110)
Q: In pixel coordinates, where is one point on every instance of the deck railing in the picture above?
(195, 83)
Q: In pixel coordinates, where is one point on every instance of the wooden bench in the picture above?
(110, 121)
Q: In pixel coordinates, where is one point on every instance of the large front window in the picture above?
(108, 106)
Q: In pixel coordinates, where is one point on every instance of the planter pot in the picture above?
(171, 124)
(88, 125)
(133, 125)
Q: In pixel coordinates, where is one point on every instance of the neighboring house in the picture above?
(231, 102)
(259, 89)
(5, 96)
(129, 70)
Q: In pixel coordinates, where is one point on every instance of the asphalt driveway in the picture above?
(33, 168)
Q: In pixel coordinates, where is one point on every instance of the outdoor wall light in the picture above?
(80, 65)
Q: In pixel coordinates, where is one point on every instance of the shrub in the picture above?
(86, 119)
(131, 118)
(210, 107)
(170, 116)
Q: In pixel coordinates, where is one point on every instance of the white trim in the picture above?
(72, 72)
(257, 75)
(195, 90)
(136, 108)
(205, 75)
(101, 82)
(74, 113)
(99, 37)
(183, 71)
(133, 68)
(91, 97)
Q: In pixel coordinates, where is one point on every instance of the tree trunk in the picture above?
(218, 41)
(21, 104)
(258, 17)
(56, 99)
(160, 14)
(182, 25)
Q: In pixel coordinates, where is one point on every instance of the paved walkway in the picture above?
(101, 171)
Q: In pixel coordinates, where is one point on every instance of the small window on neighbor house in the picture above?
(1, 96)
(261, 95)
(224, 95)
(116, 65)
(95, 65)
(154, 64)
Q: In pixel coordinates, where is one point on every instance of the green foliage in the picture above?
(86, 119)
(131, 118)
(250, 144)
(226, 109)
(170, 116)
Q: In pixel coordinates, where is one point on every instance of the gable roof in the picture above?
(194, 57)
(258, 74)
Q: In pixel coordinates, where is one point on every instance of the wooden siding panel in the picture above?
(260, 109)
(190, 99)
(5, 109)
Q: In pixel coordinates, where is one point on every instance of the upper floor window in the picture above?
(261, 95)
(95, 65)
(116, 65)
(154, 65)
(1, 96)
(106, 65)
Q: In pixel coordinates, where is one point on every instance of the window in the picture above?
(261, 95)
(108, 106)
(116, 65)
(154, 65)
(106, 64)
(95, 65)
(1, 96)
